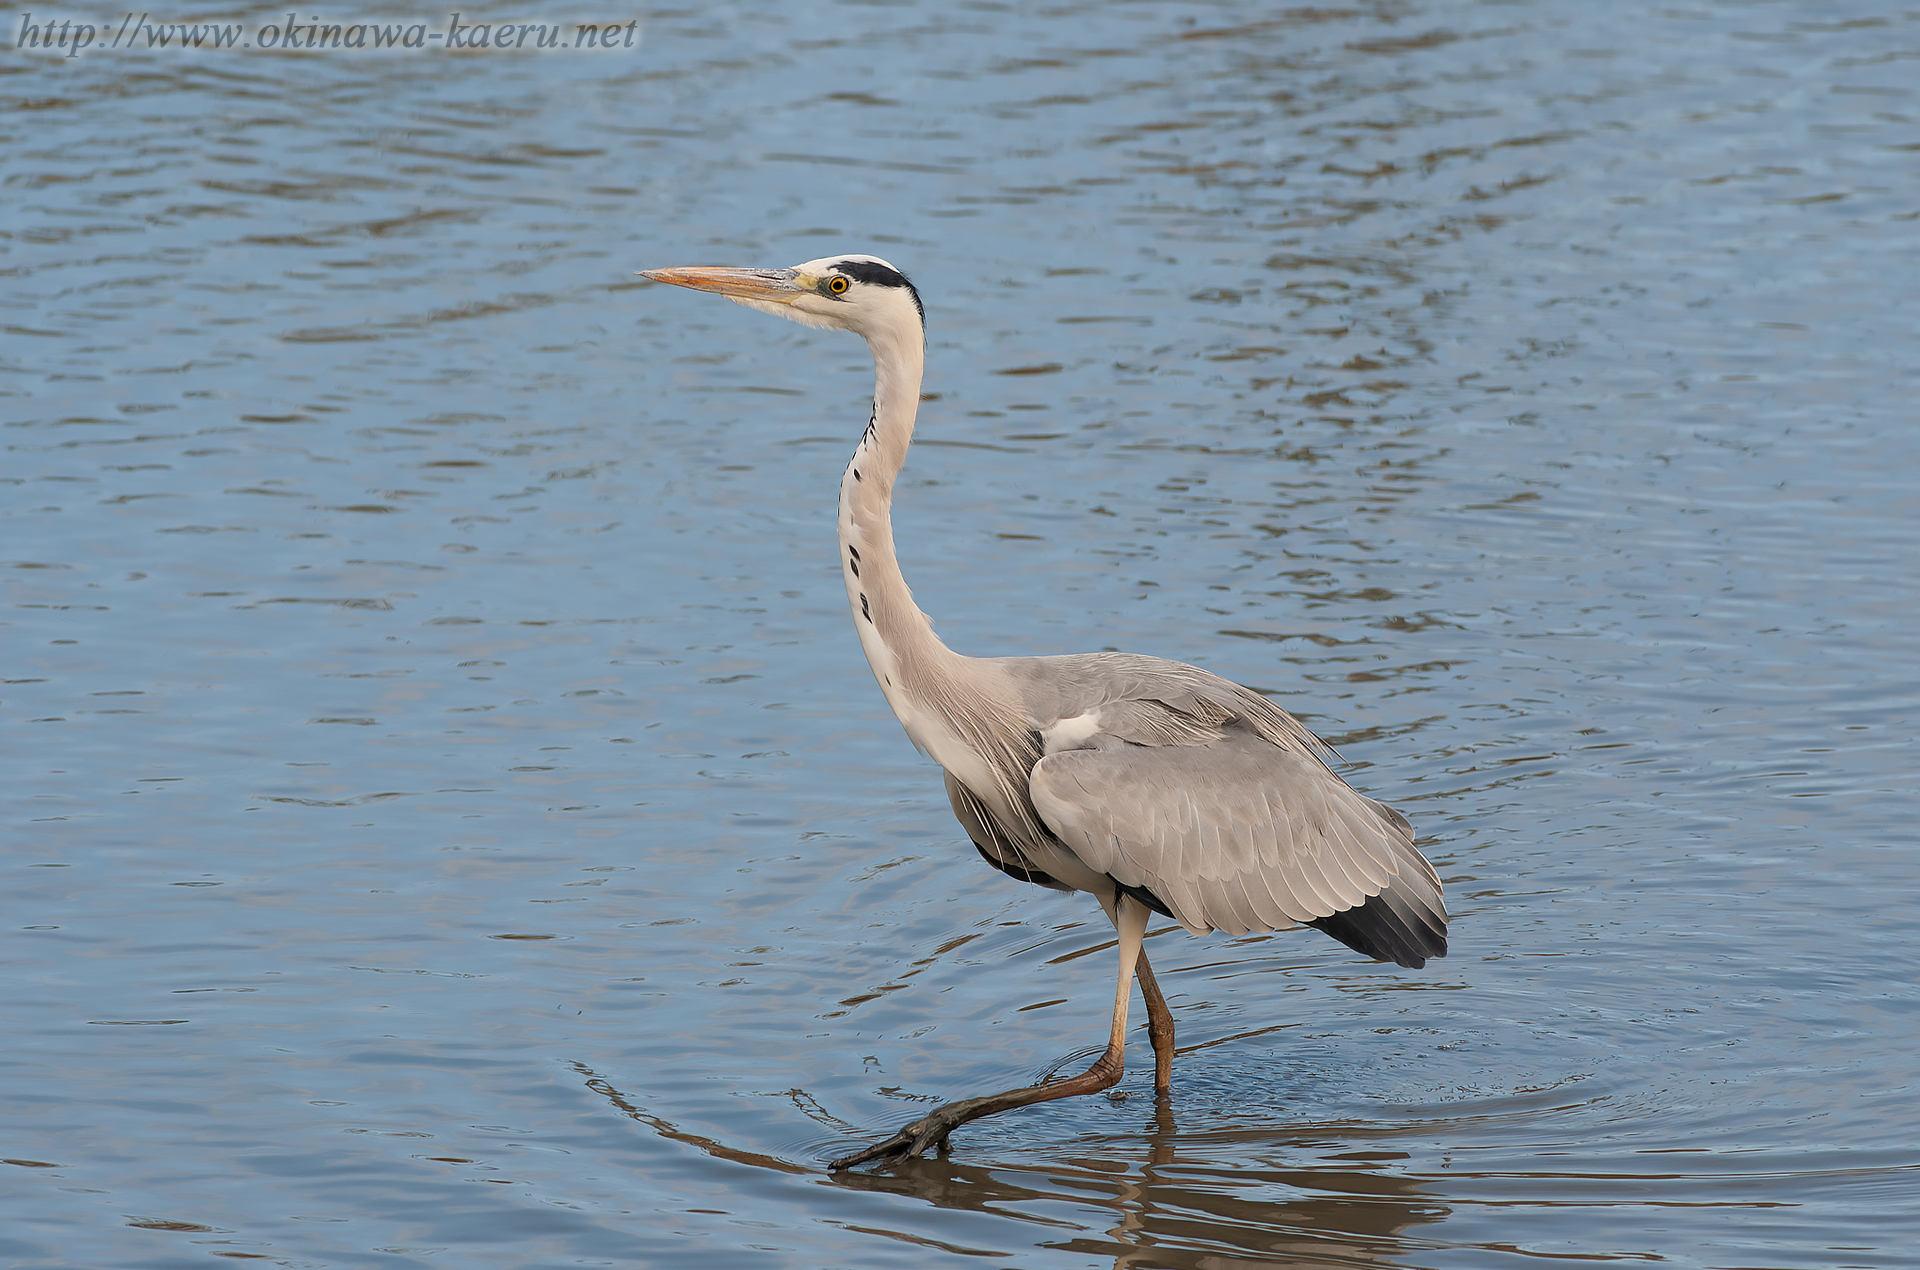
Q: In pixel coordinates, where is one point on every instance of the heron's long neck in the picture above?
(898, 638)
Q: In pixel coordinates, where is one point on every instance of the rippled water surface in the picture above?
(450, 820)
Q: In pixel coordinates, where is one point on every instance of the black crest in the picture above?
(879, 275)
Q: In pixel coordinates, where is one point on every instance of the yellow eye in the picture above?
(837, 285)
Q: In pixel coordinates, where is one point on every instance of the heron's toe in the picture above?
(926, 1138)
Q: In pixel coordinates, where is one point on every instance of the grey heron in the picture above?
(1155, 787)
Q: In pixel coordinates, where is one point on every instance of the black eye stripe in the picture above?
(880, 276)
(867, 271)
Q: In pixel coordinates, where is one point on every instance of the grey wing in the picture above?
(1237, 834)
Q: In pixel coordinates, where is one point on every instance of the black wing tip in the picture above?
(1383, 930)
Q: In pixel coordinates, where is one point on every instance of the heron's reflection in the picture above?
(1181, 1202)
(1199, 1201)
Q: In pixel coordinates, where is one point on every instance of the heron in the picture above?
(1154, 786)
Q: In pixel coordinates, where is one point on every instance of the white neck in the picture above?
(897, 637)
(959, 710)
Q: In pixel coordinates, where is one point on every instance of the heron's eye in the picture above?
(837, 285)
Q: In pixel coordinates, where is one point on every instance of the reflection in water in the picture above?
(1189, 1219)
(1165, 1214)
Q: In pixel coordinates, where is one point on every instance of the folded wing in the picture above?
(1238, 834)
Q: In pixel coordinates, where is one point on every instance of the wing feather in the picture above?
(1347, 853)
(1238, 833)
(1269, 904)
(1292, 879)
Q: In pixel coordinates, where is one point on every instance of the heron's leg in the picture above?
(1159, 1027)
(1130, 920)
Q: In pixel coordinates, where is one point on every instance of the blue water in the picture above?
(439, 758)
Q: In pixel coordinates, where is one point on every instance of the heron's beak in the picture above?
(775, 285)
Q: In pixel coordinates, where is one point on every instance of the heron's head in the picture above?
(862, 294)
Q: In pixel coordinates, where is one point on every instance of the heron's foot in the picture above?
(930, 1131)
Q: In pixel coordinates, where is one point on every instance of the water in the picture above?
(440, 760)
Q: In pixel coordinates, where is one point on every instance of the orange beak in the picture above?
(776, 285)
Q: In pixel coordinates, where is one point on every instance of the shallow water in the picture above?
(440, 759)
